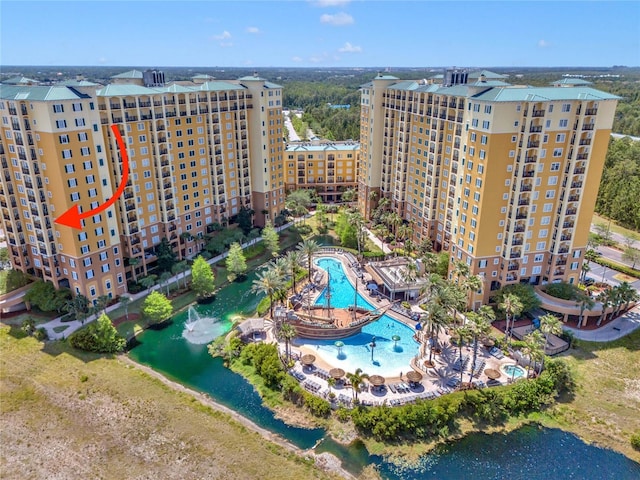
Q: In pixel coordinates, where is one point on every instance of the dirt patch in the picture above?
(132, 318)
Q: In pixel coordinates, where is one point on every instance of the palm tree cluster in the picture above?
(618, 297)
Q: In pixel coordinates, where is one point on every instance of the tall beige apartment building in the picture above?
(198, 152)
(327, 167)
(502, 177)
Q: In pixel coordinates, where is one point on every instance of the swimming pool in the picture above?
(389, 357)
(513, 371)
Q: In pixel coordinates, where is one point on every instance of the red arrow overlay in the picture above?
(71, 218)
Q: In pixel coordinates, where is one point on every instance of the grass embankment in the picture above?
(66, 414)
(615, 228)
(605, 406)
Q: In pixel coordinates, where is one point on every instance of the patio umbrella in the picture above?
(396, 339)
(308, 359)
(492, 373)
(414, 376)
(376, 380)
(339, 344)
(336, 373)
(372, 286)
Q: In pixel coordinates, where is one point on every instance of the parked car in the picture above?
(588, 281)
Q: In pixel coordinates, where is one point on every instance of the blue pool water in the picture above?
(389, 357)
(513, 371)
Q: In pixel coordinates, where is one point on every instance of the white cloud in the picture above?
(253, 30)
(543, 44)
(296, 59)
(337, 20)
(223, 36)
(348, 48)
(226, 44)
(329, 3)
(102, 60)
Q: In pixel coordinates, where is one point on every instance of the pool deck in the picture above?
(443, 378)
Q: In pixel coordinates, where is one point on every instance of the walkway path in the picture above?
(76, 324)
(618, 328)
(378, 242)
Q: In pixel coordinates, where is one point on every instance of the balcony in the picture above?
(571, 211)
(591, 111)
(528, 173)
(576, 184)
(588, 126)
(513, 266)
(579, 170)
(535, 129)
(532, 159)
(526, 187)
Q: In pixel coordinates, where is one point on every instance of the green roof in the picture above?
(129, 74)
(571, 81)
(175, 88)
(18, 92)
(272, 85)
(78, 83)
(487, 74)
(385, 77)
(202, 76)
(126, 90)
(542, 94)
(489, 83)
(251, 78)
(297, 147)
(219, 85)
(20, 81)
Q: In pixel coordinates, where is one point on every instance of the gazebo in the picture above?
(492, 373)
(336, 373)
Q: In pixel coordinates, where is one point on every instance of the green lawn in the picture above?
(614, 227)
(605, 407)
(60, 405)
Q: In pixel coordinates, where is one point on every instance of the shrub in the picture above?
(635, 441)
(316, 405)
(617, 266)
(563, 290)
(99, 336)
(41, 334)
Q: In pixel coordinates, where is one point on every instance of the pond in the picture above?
(529, 453)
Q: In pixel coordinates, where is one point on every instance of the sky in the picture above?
(320, 33)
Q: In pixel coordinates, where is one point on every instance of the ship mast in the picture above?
(328, 294)
(355, 299)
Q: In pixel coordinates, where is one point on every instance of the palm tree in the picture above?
(308, 248)
(437, 319)
(463, 334)
(357, 379)
(331, 382)
(471, 284)
(478, 325)
(512, 306)
(164, 280)
(589, 256)
(606, 297)
(179, 268)
(294, 259)
(148, 281)
(288, 333)
(268, 283)
(124, 301)
(134, 262)
(549, 324)
(533, 348)
(585, 302)
(627, 294)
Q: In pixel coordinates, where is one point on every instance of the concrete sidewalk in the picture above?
(614, 330)
(76, 324)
